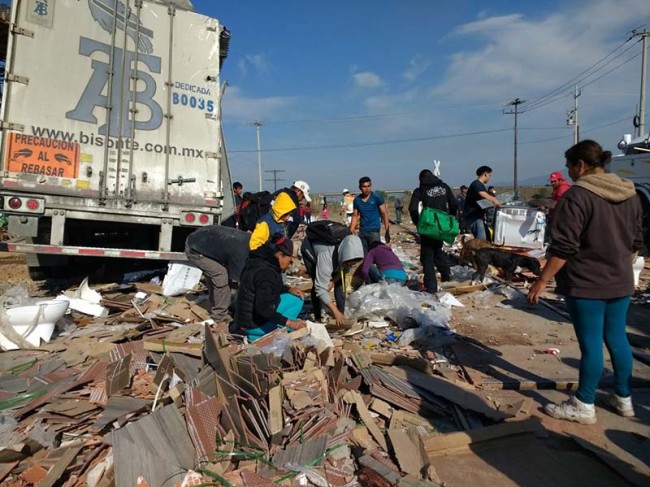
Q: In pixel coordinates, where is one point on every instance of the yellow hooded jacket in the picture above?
(271, 223)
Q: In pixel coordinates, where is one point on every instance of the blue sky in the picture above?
(383, 88)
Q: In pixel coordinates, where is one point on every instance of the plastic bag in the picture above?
(428, 334)
(278, 346)
(407, 308)
(461, 273)
(14, 297)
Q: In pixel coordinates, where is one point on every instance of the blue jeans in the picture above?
(478, 229)
(368, 237)
(290, 306)
(595, 320)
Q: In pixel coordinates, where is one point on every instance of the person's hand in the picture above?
(497, 204)
(340, 319)
(296, 324)
(536, 290)
(297, 292)
(387, 236)
(330, 286)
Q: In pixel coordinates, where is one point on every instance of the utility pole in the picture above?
(515, 103)
(257, 126)
(644, 58)
(275, 178)
(573, 116)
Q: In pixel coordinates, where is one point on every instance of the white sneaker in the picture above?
(622, 405)
(572, 410)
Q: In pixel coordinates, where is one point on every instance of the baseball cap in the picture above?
(282, 244)
(555, 176)
(345, 190)
(304, 187)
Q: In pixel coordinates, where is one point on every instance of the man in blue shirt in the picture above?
(370, 209)
(474, 211)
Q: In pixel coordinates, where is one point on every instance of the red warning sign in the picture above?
(39, 155)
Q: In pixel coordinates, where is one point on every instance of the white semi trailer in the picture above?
(111, 141)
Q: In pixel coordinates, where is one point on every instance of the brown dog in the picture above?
(471, 246)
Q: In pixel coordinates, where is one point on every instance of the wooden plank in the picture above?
(353, 397)
(420, 364)
(382, 470)
(156, 447)
(57, 470)
(454, 442)
(470, 400)
(193, 349)
(275, 410)
(407, 452)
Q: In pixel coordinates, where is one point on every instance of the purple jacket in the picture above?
(383, 257)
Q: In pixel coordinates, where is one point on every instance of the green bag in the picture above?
(438, 225)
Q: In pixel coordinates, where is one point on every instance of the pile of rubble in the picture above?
(154, 393)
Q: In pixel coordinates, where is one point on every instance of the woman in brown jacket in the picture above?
(595, 232)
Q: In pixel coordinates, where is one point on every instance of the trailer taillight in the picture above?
(190, 217)
(15, 203)
(32, 204)
(204, 219)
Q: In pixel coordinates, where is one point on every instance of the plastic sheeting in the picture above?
(405, 307)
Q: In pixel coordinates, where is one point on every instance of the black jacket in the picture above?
(259, 290)
(433, 193)
(225, 245)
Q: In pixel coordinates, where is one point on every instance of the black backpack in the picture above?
(254, 207)
(327, 231)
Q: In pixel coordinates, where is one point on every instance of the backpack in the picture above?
(254, 207)
(438, 225)
(327, 231)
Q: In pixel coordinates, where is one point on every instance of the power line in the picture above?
(609, 124)
(368, 144)
(365, 117)
(559, 96)
(275, 177)
(575, 79)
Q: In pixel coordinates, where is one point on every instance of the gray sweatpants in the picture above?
(217, 282)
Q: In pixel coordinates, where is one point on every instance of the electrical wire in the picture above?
(576, 79)
(540, 105)
(609, 124)
(368, 144)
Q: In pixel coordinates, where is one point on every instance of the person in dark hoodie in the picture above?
(264, 303)
(595, 234)
(221, 253)
(432, 193)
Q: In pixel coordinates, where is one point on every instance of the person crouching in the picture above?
(264, 303)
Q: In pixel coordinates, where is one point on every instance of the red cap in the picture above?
(556, 176)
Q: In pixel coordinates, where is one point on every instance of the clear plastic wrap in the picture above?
(405, 307)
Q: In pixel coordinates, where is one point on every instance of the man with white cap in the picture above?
(298, 191)
(348, 206)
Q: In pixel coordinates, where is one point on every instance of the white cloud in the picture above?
(528, 57)
(238, 106)
(367, 79)
(417, 66)
(256, 62)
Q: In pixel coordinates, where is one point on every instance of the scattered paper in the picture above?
(450, 300)
(319, 332)
(180, 278)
